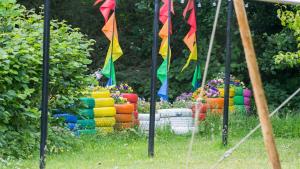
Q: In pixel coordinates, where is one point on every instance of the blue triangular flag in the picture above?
(163, 91)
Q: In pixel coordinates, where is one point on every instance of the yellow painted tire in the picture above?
(231, 92)
(105, 122)
(103, 94)
(104, 112)
(231, 109)
(231, 102)
(105, 130)
(104, 102)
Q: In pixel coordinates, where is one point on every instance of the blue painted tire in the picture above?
(67, 117)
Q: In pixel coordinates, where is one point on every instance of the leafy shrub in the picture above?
(21, 33)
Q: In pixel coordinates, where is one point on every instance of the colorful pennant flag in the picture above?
(165, 49)
(110, 31)
(191, 42)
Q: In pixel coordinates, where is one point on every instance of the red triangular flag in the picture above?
(189, 6)
(106, 7)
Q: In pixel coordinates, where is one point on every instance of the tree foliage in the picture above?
(21, 35)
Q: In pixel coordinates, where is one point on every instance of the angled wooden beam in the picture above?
(293, 2)
(256, 82)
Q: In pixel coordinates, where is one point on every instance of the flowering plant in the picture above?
(118, 99)
(122, 88)
(143, 106)
(197, 93)
(184, 97)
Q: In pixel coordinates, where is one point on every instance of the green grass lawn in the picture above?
(127, 152)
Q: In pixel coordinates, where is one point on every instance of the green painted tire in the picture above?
(86, 132)
(86, 124)
(240, 109)
(238, 100)
(88, 102)
(238, 91)
(86, 114)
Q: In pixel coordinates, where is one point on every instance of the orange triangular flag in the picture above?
(189, 40)
(110, 27)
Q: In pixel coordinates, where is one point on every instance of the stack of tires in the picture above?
(144, 120)
(124, 116)
(202, 111)
(104, 112)
(180, 119)
(86, 123)
(133, 99)
(242, 100)
(69, 119)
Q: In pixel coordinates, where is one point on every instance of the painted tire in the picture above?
(86, 114)
(222, 92)
(240, 109)
(178, 112)
(231, 109)
(135, 105)
(201, 116)
(247, 93)
(124, 108)
(88, 102)
(104, 102)
(103, 94)
(136, 122)
(238, 91)
(247, 101)
(86, 124)
(123, 118)
(104, 112)
(216, 111)
(238, 100)
(105, 130)
(136, 114)
(248, 108)
(181, 130)
(182, 121)
(203, 108)
(132, 98)
(146, 117)
(215, 103)
(72, 126)
(85, 132)
(231, 102)
(67, 117)
(120, 126)
(105, 122)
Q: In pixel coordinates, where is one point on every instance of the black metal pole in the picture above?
(44, 105)
(227, 73)
(153, 80)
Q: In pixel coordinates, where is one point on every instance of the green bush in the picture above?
(21, 35)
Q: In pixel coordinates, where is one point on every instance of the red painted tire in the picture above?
(136, 122)
(202, 116)
(203, 108)
(135, 105)
(123, 118)
(136, 114)
(124, 108)
(132, 98)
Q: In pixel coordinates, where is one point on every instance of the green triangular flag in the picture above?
(162, 71)
(197, 77)
(109, 72)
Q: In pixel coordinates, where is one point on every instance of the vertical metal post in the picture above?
(44, 105)
(227, 73)
(153, 80)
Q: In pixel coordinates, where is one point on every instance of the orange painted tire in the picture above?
(215, 103)
(136, 114)
(120, 126)
(124, 108)
(123, 118)
(216, 111)
(132, 98)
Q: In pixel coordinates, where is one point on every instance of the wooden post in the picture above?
(256, 82)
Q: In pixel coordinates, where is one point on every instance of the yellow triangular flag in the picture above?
(115, 53)
(193, 56)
